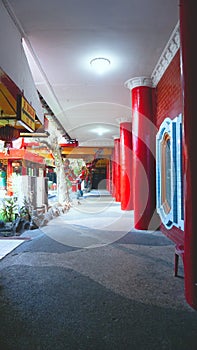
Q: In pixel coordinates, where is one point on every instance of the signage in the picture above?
(26, 114)
(101, 163)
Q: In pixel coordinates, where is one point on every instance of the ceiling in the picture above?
(61, 38)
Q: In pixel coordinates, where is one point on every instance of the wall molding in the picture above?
(167, 55)
(101, 143)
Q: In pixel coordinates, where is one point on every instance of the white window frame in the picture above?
(173, 129)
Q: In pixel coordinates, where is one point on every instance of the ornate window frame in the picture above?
(169, 174)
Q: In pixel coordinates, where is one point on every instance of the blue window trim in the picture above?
(175, 216)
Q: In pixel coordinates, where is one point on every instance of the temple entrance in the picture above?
(99, 174)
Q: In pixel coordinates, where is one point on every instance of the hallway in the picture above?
(84, 283)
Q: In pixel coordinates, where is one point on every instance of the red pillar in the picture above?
(189, 79)
(112, 175)
(9, 178)
(111, 179)
(126, 190)
(117, 168)
(143, 133)
(108, 176)
(24, 169)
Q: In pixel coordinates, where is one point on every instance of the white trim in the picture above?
(138, 81)
(167, 55)
(166, 127)
(123, 120)
(95, 143)
(179, 172)
(175, 216)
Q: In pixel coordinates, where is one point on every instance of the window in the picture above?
(169, 180)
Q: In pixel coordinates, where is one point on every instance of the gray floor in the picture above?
(67, 288)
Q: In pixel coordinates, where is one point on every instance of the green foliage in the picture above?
(76, 165)
(26, 210)
(9, 209)
(1, 216)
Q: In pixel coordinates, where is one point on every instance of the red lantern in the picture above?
(9, 133)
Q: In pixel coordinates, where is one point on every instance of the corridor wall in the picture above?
(169, 104)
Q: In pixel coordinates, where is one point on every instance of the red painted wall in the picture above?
(169, 103)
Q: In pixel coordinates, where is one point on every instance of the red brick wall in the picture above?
(169, 104)
(169, 92)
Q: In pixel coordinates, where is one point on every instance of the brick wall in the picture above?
(169, 104)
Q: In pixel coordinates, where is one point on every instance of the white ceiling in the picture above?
(64, 35)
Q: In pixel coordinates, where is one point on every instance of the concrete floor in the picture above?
(89, 281)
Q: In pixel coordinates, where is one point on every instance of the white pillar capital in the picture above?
(115, 137)
(123, 120)
(138, 81)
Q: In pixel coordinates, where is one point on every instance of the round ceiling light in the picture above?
(100, 64)
(100, 130)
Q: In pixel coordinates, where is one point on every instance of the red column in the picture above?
(126, 166)
(143, 133)
(117, 168)
(189, 79)
(24, 169)
(112, 175)
(108, 177)
(9, 179)
(111, 179)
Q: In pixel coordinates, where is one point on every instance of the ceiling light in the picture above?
(100, 64)
(100, 131)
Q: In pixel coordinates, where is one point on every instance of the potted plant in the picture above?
(9, 209)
